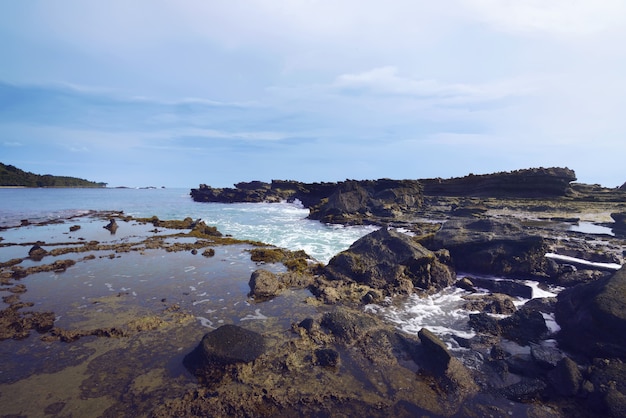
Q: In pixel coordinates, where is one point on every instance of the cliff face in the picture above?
(533, 183)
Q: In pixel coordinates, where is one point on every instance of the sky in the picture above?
(176, 93)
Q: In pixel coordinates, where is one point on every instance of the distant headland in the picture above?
(11, 176)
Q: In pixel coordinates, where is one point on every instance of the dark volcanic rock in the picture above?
(524, 326)
(391, 261)
(535, 182)
(354, 201)
(229, 344)
(593, 317)
(491, 246)
(451, 373)
(507, 287)
(37, 253)
(566, 378)
(350, 201)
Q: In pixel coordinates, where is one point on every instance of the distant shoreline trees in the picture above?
(11, 176)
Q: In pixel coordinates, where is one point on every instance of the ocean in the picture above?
(281, 224)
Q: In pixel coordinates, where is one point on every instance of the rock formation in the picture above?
(593, 317)
(535, 182)
(392, 262)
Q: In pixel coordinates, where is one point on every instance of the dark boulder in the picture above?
(524, 326)
(391, 261)
(111, 226)
(620, 221)
(592, 317)
(452, 375)
(37, 253)
(489, 246)
(566, 379)
(227, 345)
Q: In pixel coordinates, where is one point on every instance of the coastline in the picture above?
(144, 297)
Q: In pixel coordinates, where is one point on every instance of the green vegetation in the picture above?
(13, 176)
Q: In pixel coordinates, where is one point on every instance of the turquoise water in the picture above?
(281, 224)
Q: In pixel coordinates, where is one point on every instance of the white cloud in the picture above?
(562, 18)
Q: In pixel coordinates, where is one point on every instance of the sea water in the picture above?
(282, 224)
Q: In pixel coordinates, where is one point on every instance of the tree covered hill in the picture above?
(13, 176)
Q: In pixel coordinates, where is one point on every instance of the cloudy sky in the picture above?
(177, 93)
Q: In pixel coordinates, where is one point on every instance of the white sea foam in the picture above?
(205, 322)
(440, 313)
(257, 316)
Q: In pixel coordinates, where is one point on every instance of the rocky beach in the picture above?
(534, 257)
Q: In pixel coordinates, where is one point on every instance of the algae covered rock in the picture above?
(227, 345)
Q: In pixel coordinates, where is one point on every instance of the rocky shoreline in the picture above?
(339, 358)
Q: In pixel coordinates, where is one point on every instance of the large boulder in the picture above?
(449, 371)
(490, 246)
(592, 317)
(225, 346)
(391, 261)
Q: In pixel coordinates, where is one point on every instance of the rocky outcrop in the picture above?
(392, 262)
(535, 182)
(354, 202)
(593, 317)
(347, 202)
(490, 246)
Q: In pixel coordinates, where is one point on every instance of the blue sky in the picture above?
(177, 93)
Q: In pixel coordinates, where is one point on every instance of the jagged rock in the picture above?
(111, 226)
(593, 316)
(390, 261)
(451, 373)
(547, 357)
(490, 246)
(37, 253)
(620, 220)
(524, 326)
